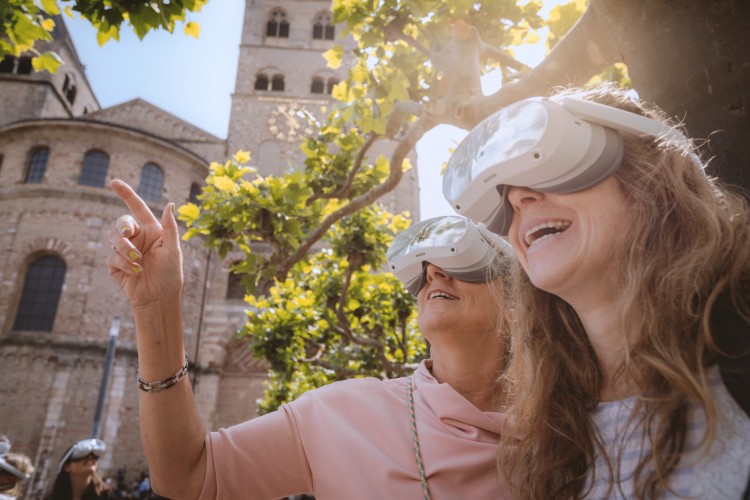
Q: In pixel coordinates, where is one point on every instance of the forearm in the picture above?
(172, 431)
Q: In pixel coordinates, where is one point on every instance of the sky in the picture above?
(193, 79)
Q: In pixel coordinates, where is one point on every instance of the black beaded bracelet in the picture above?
(160, 385)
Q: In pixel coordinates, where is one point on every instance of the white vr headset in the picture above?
(6, 466)
(463, 249)
(82, 449)
(551, 146)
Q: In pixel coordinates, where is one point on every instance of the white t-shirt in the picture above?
(721, 474)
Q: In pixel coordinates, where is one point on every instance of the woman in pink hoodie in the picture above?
(434, 432)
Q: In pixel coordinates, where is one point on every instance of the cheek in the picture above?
(513, 237)
(518, 246)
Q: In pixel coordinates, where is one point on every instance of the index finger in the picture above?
(135, 204)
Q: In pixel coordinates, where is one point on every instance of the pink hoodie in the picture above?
(352, 440)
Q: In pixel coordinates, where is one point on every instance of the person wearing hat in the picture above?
(15, 469)
(77, 478)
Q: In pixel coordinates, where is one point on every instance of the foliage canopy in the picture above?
(24, 23)
(313, 240)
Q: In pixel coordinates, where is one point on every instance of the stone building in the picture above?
(58, 151)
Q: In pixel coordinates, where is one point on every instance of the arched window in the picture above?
(277, 26)
(261, 82)
(37, 165)
(94, 171)
(7, 64)
(331, 83)
(24, 66)
(69, 89)
(195, 190)
(323, 28)
(277, 83)
(152, 180)
(41, 294)
(235, 288)
(318, 85)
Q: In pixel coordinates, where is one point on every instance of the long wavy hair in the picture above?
(687, 250)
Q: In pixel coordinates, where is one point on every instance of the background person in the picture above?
(15, 469)
(364, 438)
(617, 390)
(77, 478)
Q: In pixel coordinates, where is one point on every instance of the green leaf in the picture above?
(107, 33)
(192, 29)
(334, 56)
(48, 61)
(50, 7)
(188, 212)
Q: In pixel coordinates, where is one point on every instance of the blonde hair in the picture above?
(22, 464)
(688, 245)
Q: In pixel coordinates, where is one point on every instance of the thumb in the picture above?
(170, 234)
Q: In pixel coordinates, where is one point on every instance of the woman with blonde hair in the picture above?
(630, 291)
(15, 469)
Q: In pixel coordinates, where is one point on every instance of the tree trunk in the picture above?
(692, 58)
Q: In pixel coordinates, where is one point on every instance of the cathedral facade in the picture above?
(59, 308)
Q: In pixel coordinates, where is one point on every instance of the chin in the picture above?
(544, 279)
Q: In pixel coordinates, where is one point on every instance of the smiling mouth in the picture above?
(544, 231)
(439, 294)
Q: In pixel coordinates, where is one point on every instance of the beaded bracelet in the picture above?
(160, 385)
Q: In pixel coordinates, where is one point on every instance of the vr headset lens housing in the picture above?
(6, 466)
(549, 146)
(82, 449)
(453, 243)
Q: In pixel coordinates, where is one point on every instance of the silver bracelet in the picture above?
(160, 385)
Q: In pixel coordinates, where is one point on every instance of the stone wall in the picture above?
(51, 379)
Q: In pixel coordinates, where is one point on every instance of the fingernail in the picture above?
(136, 268)
(174, 211)
(134, 255)
(125, 231)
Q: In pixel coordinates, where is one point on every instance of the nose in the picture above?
(434, 272)
(519, 197)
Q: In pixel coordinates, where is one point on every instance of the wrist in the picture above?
(160, 304)
(159, 337)
(160, 385)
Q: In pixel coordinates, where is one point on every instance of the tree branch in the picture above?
(338, 370)
(394, 30)
(415, 132)
(346, 327)
(356, 166)
(582, 53)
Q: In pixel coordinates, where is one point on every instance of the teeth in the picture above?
(441, 295)
(532, 237)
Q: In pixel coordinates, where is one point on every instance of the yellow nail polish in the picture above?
(125, 231)
(134, 255)
(136, 268)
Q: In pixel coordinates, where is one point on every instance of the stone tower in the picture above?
(281, 75)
